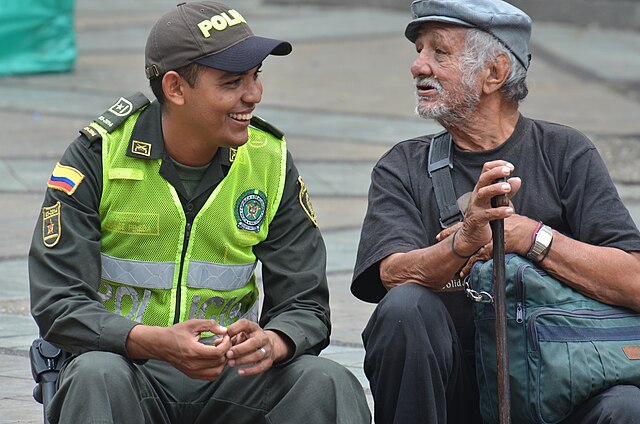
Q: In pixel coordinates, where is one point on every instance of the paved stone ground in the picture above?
(343, 98)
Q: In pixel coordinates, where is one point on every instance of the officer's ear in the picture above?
(173, 88)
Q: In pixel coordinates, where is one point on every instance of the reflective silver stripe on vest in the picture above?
(150, 275)
(252, 314)
(207, 275)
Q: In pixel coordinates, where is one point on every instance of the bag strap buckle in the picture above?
(476, 296)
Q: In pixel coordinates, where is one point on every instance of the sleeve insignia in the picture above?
(65, 178)
(305, 202)
(51, 225)
(91, 133)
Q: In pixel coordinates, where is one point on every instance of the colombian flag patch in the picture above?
(65, 178)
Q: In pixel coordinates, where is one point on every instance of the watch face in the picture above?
(544, 236)
(542, 242)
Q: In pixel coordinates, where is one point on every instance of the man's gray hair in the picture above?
(480, 48)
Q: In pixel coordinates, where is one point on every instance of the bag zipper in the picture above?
(520, 292)
(580, 313)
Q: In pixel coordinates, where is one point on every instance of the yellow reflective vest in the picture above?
(152, 259)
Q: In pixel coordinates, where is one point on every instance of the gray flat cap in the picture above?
(507, 23)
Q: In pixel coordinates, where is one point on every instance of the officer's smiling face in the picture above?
(220, 105)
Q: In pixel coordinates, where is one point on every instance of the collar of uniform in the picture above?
(226, 155)
(146, 138)
(147, 142)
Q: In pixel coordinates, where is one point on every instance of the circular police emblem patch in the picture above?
(250, 209)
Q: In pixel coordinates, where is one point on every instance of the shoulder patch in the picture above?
(51, 225)
(263, 125)
(305, 202)
(65, 178)
(115, 116)
(91, 133)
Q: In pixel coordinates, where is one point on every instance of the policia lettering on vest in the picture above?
(142, 262)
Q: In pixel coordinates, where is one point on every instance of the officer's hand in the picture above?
(180, 346)
(255, 350)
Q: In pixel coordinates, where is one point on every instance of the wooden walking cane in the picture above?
(499, 302)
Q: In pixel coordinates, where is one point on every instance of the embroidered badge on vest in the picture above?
(250, 210)
(51, 225)
(65, 178)
(305, 202)
(141, 148)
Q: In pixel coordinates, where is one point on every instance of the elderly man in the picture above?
(470, 71)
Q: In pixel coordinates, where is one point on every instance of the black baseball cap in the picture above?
(208, 33)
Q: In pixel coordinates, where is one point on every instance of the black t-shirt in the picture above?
(565, 184)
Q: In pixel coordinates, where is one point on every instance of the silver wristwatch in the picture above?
(541, 243)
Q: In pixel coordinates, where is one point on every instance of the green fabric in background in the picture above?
(36, 36)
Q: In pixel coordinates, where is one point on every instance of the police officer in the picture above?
(142, 262)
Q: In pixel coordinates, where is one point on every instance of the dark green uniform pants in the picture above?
(102, 387)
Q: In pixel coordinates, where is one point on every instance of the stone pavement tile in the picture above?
(338, 179)
(13, 279)
(335, 213)
(621, 157)
(19, 214)
(17, 332)
(16, 386)
(349, 315)
(25, 174)
(368, 75)
(36, 135)
(316, 148)
(299, 23)
(589, 106)
(341, 249)
(610, 54)
(48, 99)
(20, 211)
(94, 72)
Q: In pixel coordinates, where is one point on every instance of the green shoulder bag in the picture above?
(563, 347)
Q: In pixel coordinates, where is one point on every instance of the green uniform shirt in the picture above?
(64, 278)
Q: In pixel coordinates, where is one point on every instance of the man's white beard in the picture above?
(453, 107)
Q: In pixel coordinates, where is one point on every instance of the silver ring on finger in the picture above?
(264, 352)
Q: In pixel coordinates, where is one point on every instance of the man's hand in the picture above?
(180, 346)
(518, 232)
(255, 350)
(435, 265)
(475, 231)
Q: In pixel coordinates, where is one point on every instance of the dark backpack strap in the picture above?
(440, 165)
